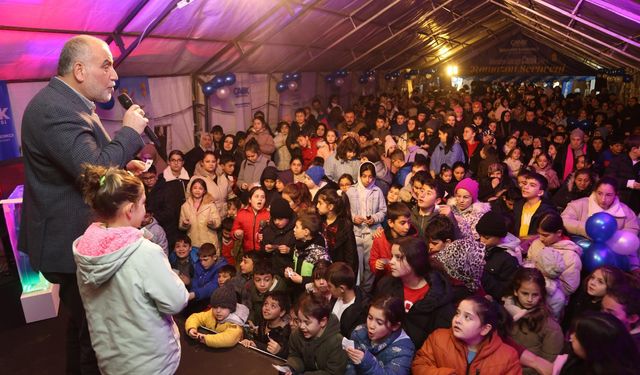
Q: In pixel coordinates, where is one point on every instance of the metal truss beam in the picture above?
(554, 31)
(565, 27)
(556, 40)
(250, 51)
(233, 43)
(587, 23)
(461, 32)
(393, 36)
(123, 24)
(158, 20)
(608, 6)
(354, 30)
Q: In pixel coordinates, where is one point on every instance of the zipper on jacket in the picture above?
(254, 234)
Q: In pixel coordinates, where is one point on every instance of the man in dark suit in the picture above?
(626, 170)
(196, 154)
(61, 132)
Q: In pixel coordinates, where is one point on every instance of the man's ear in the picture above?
(79, 71)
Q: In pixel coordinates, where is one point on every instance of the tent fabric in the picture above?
(172, 105)
(164, 38)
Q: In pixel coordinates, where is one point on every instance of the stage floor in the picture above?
(39, 348)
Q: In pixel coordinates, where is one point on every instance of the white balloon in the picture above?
(223, 92)
(339, 82)
(293, 85)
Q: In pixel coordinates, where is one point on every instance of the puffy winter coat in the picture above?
(250, 222)
(393, 355)
(443, 354)
(318, 355)
(129, 293)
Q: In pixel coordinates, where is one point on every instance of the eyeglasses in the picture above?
(176, 160)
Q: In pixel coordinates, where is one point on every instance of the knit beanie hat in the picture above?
(280, 209)
(491, 224)
(389, 143)
(225, 297)
(469, 185)
(285, 176)
(315, 173)
(577, 132)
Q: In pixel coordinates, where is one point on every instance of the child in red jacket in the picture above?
(308, 150)
(250, 220)
(399, 222)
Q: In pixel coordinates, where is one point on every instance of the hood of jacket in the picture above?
(614, 210)
(168, 175)
(382, 172)
(238, 317)
(463, 260)
(199, 171)
(287, 228)
(359, 184)
(568, 245)
(511, 244)
(100, 252)
(331, 330)
(269, 173)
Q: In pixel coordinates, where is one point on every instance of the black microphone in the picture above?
(126, 103)
(263, 224)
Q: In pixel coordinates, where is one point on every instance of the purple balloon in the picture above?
(624, 242)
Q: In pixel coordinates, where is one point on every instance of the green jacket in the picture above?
(320, 355)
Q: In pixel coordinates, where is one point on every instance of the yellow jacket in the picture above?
(229, 330)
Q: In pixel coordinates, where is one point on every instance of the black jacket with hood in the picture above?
(434, 311)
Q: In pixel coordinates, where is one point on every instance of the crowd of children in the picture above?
(435, 237)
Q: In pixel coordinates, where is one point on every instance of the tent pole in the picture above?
(269, 97)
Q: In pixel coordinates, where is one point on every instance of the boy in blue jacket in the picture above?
(205, 277)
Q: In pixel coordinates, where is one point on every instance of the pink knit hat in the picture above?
(469, 185)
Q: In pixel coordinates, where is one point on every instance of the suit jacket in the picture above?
(58, 136)
(623, 170)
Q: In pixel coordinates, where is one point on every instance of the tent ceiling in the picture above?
(155, 38)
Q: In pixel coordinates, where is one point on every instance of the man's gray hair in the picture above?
(76, 48)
